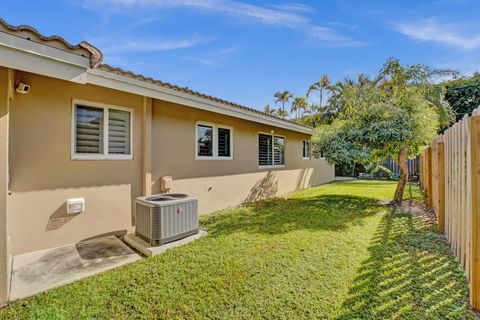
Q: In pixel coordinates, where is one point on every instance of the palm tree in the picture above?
(344, 93)
(319, 86)
(294, 109)
(283, 97)
(298, 104)
(337, 94)
(281, 113)
(268, 110)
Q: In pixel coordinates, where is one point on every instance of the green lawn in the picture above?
(327, 252)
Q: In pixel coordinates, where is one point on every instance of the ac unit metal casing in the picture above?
(164, 218)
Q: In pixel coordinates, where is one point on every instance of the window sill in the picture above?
(306, 158)
(271, 167)
(101, 157)
(213, 158)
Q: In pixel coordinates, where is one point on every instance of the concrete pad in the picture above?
(339, 178)
(38, 271)
(145, 248)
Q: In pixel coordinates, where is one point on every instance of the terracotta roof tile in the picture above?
(84, 48)
(140, 77)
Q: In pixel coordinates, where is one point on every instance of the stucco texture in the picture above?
(224, 183)
(43, 175)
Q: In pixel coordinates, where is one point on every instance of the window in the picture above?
(265, 144)
(89, 130)
(101, 132)
(271, 150)
(118, 132)
(278, 151)
(213, 142)
(306, 150)
(223, 142)
(205, 141)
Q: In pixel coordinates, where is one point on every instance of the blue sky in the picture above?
(244, 51)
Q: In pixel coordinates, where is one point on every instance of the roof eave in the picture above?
(128, 84)
(21, 54)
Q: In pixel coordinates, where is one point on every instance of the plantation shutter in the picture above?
(306, 149)
(89, 130)
(264, 150)
(279, 151)
(223, 142)
(118, 132)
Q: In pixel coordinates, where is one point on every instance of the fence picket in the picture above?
(461, 177)
(468, 173)
(450, 176)
(475, 194)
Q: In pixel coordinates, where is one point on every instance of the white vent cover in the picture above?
(76, 205)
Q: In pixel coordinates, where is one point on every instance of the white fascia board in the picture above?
(25, 55)
(127, 84)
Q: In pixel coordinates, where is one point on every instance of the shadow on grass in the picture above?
(280, 215)
(410, 274)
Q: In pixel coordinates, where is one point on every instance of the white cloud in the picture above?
(265, 15)
(295, 7)
(289, 15)
(465, 65)
(215, 57)
(143, 22)
(114, 46)
(431, 30)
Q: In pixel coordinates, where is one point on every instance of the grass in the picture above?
(327, 252)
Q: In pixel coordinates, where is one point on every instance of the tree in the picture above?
(268, 110)
(396, 116)
(319, 86)
(463, 94)
(283, 97)
(311, 115)
(298, 104)
(342, 92)
(282, 114)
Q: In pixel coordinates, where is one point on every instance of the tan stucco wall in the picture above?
(43, 176)
(224, 183)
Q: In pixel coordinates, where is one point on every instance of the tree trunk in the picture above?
(320, 117)
(402, 181)
(353, 170)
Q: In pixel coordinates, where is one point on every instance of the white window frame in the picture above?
(309, 150)
(215, 128)
(105, 155)
(273, 152)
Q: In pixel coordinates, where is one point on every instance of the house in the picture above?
(73, 127)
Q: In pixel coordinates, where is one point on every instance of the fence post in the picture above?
(441, 185)
(474, 124)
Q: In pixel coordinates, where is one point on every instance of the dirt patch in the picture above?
(413, 208)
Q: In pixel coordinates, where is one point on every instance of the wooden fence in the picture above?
(392, 165)
(450, 177)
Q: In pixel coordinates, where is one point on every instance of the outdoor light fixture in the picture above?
(23, 88)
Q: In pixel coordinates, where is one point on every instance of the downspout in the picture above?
(6, 94)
